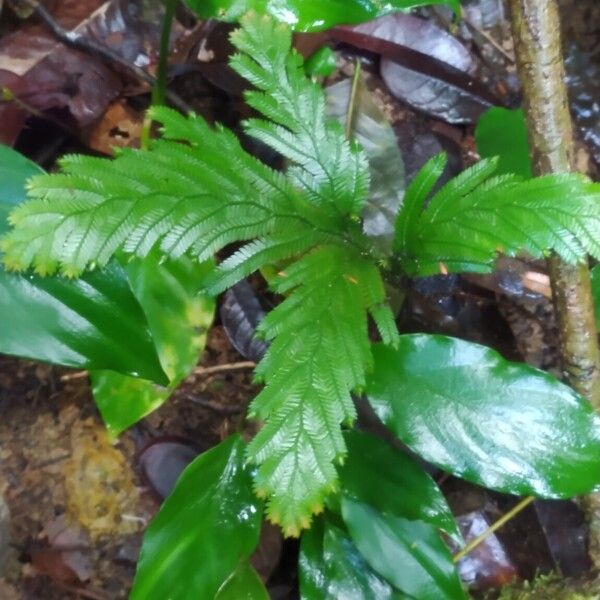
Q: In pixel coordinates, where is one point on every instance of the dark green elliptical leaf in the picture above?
(331, 567)
(204, 529)
(311, 562)
(179, 315)
(503, 425)
(91, 323)
(309, 15)
(391, 482)
(502, 132)
(409, 554)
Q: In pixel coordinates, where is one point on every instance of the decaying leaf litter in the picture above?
(510, 310)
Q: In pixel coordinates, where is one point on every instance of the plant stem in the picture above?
(513, 512)
(160, 86)
(159, 90)
(352, 102)
(536, 31)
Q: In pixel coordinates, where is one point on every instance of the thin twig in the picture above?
(72, 376)
(239, 366)
(352, 101)
(160, 87)
(159, 91)
(494, 527)
(216, 406)
(201, 371)
(74, 39)
(488, 38)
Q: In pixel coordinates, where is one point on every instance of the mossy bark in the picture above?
(536, 31)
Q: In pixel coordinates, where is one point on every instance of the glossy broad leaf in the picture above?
(91, 323)
(311, 562)
(390, 481)
(179, 314)
(308, 15)
(409, 554)
(332, 567)
(503, 425)
(204, 529)
(376, 136)
(123, 401)
(244, 584)
(501, 132)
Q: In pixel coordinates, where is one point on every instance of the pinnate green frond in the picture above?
(331, 168)
(476, 216)
(319, 353)
(196, 197)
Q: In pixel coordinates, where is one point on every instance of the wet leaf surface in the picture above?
(331, 566)
(390, 481)
(423, 66)
(213, 514)
(179, 315)
(409, 554)
(306, 15)
(503, 425)
(92, 322)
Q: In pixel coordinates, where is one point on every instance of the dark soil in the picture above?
(78, 505)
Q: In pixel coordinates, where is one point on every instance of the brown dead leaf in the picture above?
(120, 127)
(56, 76)
(101, 494)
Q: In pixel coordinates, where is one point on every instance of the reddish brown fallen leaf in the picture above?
(56, 76)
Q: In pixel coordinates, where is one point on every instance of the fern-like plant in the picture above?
(195, 191)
